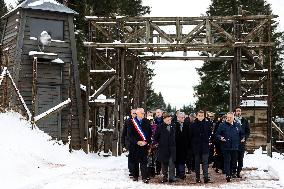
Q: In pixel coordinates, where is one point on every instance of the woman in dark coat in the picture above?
(165, 137)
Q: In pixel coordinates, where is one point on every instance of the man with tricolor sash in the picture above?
(140, 139)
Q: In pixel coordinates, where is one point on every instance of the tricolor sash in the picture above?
(138, 128)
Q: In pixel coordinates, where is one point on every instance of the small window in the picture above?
(54, 28)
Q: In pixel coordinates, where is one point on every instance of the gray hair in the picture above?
(181, 114)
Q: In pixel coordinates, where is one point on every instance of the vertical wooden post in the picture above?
(148, 31)
(235, 88)
(116, 105)
(88, 87)
(121, 105)
(5, 92)
(70, 94)
(95, 131)
(269, 88)
(178, 31)
(34, 90)
(208, 31)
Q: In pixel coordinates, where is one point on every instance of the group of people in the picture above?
(174, 144)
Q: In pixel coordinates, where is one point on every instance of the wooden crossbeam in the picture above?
(174, 19)
(223, 32)
(161, 32)
(187, 46)
(131, 36)
(251, 58)
(192, 33)
(102, 30)
(102, 88)
(53, 110)
(254, 32)
(255, 86)
(202, 58)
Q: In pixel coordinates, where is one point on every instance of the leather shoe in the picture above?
(228, 178)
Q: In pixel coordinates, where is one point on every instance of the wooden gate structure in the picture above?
(243, 41)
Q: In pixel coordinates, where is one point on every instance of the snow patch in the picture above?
(58, 61)
(40, 2)
(32, 53)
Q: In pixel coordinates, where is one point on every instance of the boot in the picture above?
(239, 175)
(228, 178)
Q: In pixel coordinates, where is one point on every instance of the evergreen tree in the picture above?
(213, 90)
(187, 109)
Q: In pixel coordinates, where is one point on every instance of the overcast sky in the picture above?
(175, 79)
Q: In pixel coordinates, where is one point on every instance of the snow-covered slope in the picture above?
(29, 159)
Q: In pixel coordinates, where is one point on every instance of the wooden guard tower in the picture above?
(45, 75)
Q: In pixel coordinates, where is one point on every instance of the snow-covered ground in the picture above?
(30, 160)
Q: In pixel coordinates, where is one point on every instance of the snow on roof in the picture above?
(104, 101)
(83, 87)
(44, 5)
(101, 97)
(58, 61)
(258, 103)
(40, 2)
(32, 53)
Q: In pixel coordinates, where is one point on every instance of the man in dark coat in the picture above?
(140, 139)
(246, 130)
(158, 121)
(230, 134)
(181, 145)
(125, 141)
(189, 155)
(165, 137)
(218, 158)
(158, 117)
(200, 133)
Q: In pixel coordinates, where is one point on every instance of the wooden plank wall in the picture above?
(63, 49)
(9, 40)
(258, 126)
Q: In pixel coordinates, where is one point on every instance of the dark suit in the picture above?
(125, 143)
(181, 148)
(246, 131)
(199, 133)
(166, 149)
(139, 152)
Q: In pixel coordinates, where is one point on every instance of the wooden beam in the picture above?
(176, 47)
(192, 32)
(202, 58)
(76, 77)
(223, 32)
(53, 110)
(103, 31)
(208, 32)
(112, 71)
(254, 32)
(102, 88)
(133, 36)
(173, 19)
(252, 58)
(255, 86)
(19, 46)
(162, 33)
